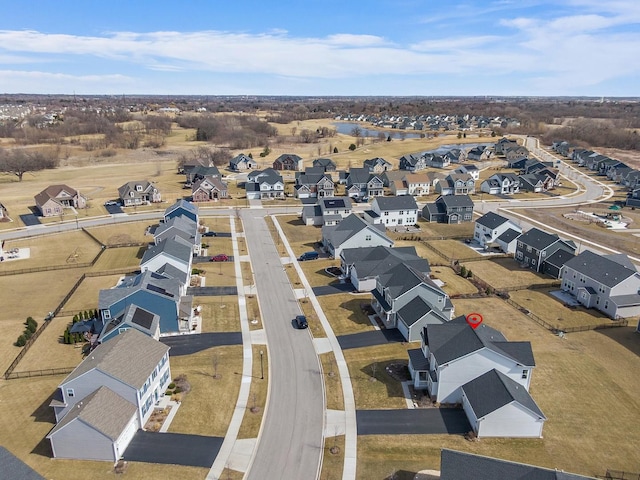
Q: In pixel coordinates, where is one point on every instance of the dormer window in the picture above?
(138, 188)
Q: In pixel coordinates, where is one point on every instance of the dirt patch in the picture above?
(399, 371)
(157, 418)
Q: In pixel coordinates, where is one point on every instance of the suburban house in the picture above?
(208, 189)
(501, 184)
(449, 209)
(326, 164)
(479, 152)
(353, 232)
(408, 300)
(103, 402)
(363, 265)
(608, 283)
(469, 169)
(363, 184)
(437, 161)
(562, 147)
(553, 264)
(535, 246)
(138, 193)
(328, 211)
(453, 353)
(514, 152)
(52, 201)
(456, 184)
(201, 171)
(489, 227)
(13, 467)
(182, 227)
(503, 144)
(182, 208)
(154, 292)
(242, 162)
(456, 465)
(288, 161)
(393, 212)
(172, 250)
(132, 317)
(498, 406)
(413, 162)
(264, 184)
(455, 155)
(417, 184)
(536, 182)
(633, 198)
(399, 187)
(377, 165)
(313, 185)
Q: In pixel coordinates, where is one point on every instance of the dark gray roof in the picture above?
(158, 283)
(335, 202)
(629, 300)
(416, 309)
(418, 360)
(370, 261)
(455, 200)
(456, 339)
(622, 259)
(171, 246)
(601, 269)
(14, 468)
(323, 162)
(400, 202)
(311, 211)
(538, 239)
(509, 235)
(268, 175)
(559, 258)
(465, 466)
(347, 228)
(491, 220)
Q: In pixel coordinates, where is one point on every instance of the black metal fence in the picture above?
(39, 373)
(619, 475)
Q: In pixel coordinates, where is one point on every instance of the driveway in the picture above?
(188, 344)
(203, 259)
(173, 448)
(211, 291)
(419, 421)
(367, 339)
(113, 209)
(30, 219)
(332, 289)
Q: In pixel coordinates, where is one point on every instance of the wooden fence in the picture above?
(39, 373)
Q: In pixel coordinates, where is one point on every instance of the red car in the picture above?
(221, 257)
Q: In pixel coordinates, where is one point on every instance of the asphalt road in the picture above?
(290, 442)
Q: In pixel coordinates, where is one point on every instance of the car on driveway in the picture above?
(308, 256)
(301, 321)
(209, 234)
(221, 257)
(111, 203)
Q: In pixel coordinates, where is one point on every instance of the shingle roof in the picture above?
(400, 202)
(417, 309)
(370, 261)
(352, 224)
(464, 466)
(491, 220)
(173, 246)
(103, 410)
(14, 468)
(452, 201)
(129, 357)
(52, 191)
(600, 268)
(559, 258)
(155, 282)
(456, 338)
(508, 235)
(538, 239)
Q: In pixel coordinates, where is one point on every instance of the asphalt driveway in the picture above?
(419, 421)
(331, 289)
(367, 339)
(113, 209)
(173, 448)
(188, 344)
(211, 291)
(30, 219)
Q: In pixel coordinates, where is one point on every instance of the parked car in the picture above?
(301, 321)
(111, 203)
(209, 234)
(221, 257)
(308, 256)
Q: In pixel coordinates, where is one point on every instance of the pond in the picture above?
(346, 128)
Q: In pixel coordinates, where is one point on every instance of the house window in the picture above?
(106, 314)
(70, 392)
(528, 249)
(367, 238)
(386, 213)
(139, 188)
(401, 212)
(525, 374)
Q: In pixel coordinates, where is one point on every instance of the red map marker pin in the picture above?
(474, 319)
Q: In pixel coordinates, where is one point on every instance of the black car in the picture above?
(209, 234)
(301, 321)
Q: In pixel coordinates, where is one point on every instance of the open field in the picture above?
(506, 272)
(64, 249)
(317, 331)
(207, 408)
(22, 296)
(120, 233)
(344, 312)
(252, 419)
(219, 314)
(117, 258)
(301, 237)
(423, 251)
(86, 295)
(454, 249)
(27, 419)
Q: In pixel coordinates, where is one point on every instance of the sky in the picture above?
(326, 47)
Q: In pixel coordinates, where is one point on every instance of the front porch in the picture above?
(383, 310)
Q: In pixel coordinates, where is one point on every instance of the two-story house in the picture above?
(328, 211)
(417, 184)
(413, 162)
(313, 185)
(360, 184)
(454, 353)
(326, 164)
(264, 184)
(138, 193)
(437, 161)
(183, 227)
(456, 184)
(408, 300)
(54, 199)
(103, 402)
(288, 161)
(173, 250)
(353, 232)
(208, 189)
(608, 283)
(182, 208)
(472, 170)
(377, 165)
(489, 227)
(501, 184)
(535, 246)
(241, 163)
(503, 144)
(393, 212)
(449, 209)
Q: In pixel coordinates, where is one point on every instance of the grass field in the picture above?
(128, 232)
(219, 314)
(454, 284)
(117, 258)
(332, 463)
(302, 238)
(423, 251)
(252, 419)
(315, 271)
(218, 274)
(332, 384)
(344, 313)
(86, 295)
(506, 272)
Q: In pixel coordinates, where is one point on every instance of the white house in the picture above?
(417, 184)
(453, 354)
(353, 232)
(498, 406)
(264, 184)
(470, 169)
(174, 251)
(490, 226)
(393, 212)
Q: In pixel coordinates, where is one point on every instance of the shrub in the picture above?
(171, 386)
(463, 271)
(469, 274)
(168, 392)
(177, 390)
(352, 147)
(335, 149)
(21, 341)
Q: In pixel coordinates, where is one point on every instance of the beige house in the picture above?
(55, 198)
(138, 193)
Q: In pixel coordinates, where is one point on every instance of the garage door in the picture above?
(127, 436)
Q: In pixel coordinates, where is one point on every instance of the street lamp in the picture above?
(261, 366)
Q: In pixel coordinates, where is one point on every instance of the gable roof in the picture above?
(370, 261)
(175, 247)
(102, 410)
(417, 309)
(154, 282)
(463, 466)
(241, 158)
(128, 187)
(453, 201)
(52, 191)
(296, 158)
(400, 202)
(328, 203)
(15, 468)
(493, 390)
(268, 175)
(491, 220)
(350, 226)
(559, 258)
(508, 235)
(456, 339)
(603, 270)
(323, 162)
(129, 357)
(538, 239)
(182, 204)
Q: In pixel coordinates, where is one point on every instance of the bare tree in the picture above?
(356, 132)
(18, 161)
